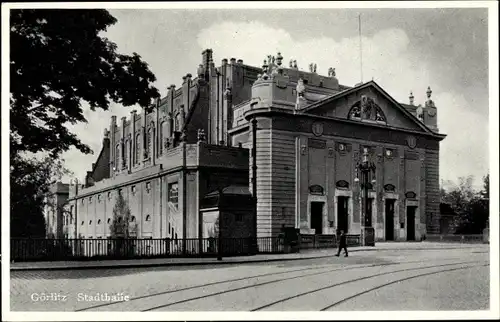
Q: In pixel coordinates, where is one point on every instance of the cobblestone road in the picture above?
(451, 279)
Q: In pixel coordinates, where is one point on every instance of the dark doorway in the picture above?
(317, 217)
(342, 214)
(410, 222)
(389, 219)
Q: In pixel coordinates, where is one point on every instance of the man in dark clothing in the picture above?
(342, 244)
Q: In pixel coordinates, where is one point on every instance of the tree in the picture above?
(30, 183)
(471, 207)
(59, 60)
(120, 226)
(485, 193)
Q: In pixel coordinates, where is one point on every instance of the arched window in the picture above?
(177, 122)
(109, 220)
(132, 219)
(148, 218)
(117, 154)
(119, 219)
(125, 154)
(99, 222)
(160, 141)
(90, 222)
(149, 140)
(137, 148)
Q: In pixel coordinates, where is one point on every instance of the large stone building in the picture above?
(309, 132)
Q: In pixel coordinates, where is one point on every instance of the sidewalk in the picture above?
(304, 254)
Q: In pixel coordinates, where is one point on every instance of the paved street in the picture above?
(454, 278)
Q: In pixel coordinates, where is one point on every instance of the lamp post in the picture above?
(366, 167)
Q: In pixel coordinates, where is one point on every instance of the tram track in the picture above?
(292, 278)
(366, 278)
(397, 281)
(242, 279)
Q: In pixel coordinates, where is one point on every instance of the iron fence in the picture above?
(327, 241)
(100, 249)
(455, 238)
(92, 249)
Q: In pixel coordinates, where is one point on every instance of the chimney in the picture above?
(206, 58)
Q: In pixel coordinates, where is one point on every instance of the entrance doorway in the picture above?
(410, 222)
(389, 219)
(317, 217)
(342, 214)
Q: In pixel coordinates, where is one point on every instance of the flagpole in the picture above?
(360, 48)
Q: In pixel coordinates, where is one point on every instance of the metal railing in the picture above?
(100, 249)
(94, 249)
(454, 238)
(327, 241)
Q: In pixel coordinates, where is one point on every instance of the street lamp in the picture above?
(366, 167)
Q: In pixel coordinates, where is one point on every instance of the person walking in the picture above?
(342, 244)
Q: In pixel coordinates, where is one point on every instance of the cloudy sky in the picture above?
(403, 50)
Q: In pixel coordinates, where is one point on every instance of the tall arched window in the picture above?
(117, 155)
(148, 141)
(177, 122)
(160, 141)
(125, 154)
(137, 148)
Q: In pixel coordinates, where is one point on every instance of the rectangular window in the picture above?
(173, 194)
(148, 186)
(90, 199)
(99, 198)
(133, 190)
(239, 217)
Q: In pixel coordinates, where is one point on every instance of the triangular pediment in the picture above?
(367, 103)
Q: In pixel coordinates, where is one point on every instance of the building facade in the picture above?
(300, 134)
(55, 211)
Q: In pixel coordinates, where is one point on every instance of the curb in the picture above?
(122, 266)
(250, 261)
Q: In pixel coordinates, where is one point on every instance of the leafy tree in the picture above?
(30, 183)
(120, 226)
(59, 60)
(471, 207)
(485, 193)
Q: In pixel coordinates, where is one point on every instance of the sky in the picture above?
(403, 50)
